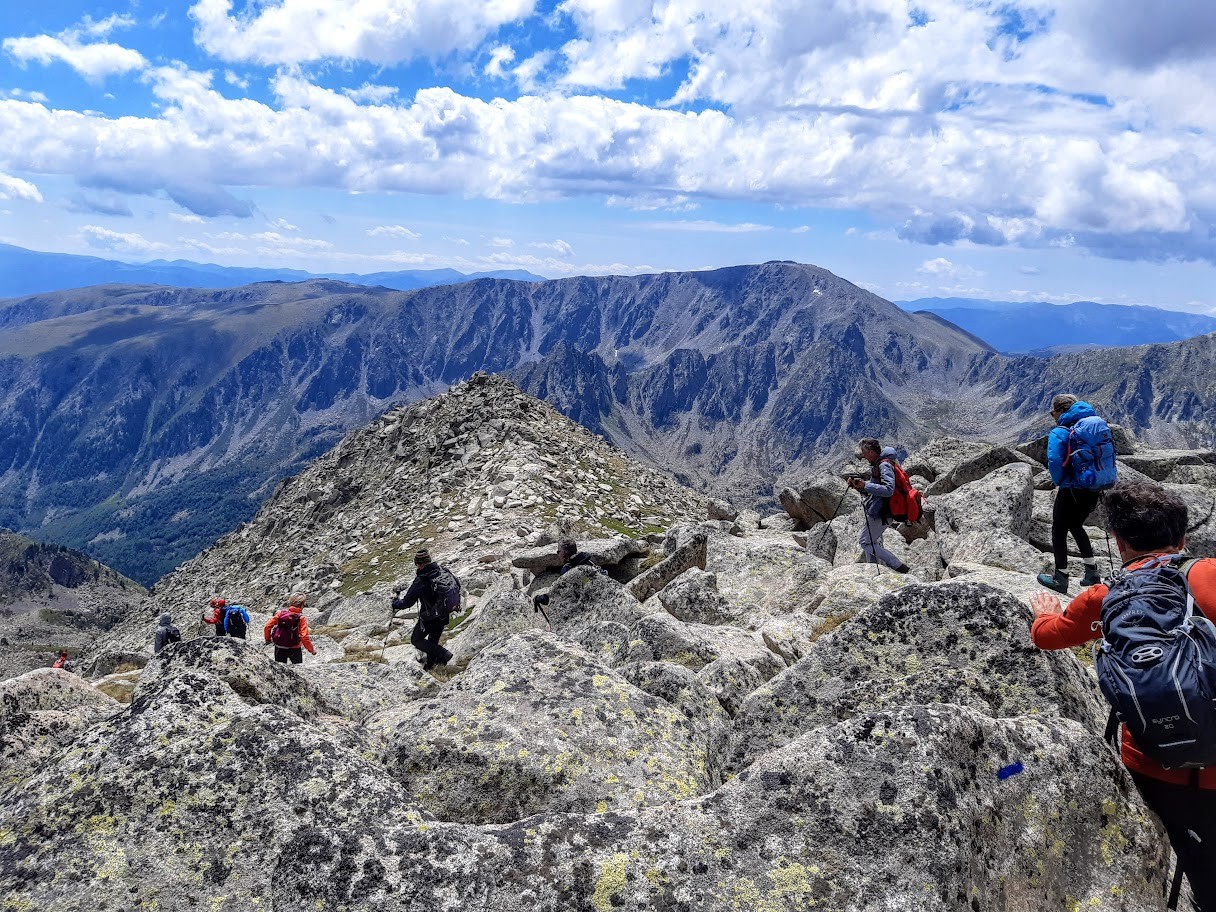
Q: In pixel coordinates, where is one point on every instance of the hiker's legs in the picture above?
(1187, 813)
(1071, 509)
(871, 544)
(294, 656)
(425, 638)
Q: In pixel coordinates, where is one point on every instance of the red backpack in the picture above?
(905, 505)
(286, 629)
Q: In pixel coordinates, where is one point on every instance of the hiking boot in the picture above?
(1091, 577)
(902, 568)
(1057, 581)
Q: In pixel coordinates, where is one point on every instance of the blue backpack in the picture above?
(1156, 663)
(1090, 459)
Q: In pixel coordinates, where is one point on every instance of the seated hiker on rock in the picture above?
(1081, 459)
(437, 591)
(876, 492)
(216, 615)
(1156, 666)
(166, 633)
(288, 630)
(61, 661)
(571, 557)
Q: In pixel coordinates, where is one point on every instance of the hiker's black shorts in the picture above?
(294, 655)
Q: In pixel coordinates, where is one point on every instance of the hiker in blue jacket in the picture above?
(1081, 459)
(875, 493)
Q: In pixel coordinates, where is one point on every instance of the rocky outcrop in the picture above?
(687, 556)
(819, 500)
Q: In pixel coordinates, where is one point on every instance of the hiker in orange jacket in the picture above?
(1147, 521)
(288, 630)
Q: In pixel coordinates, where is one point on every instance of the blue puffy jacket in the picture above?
(1057, 444)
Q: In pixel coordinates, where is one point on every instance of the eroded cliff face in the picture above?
(773, 728)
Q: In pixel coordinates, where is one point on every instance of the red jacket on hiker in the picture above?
(1080, 623)
(305, 640)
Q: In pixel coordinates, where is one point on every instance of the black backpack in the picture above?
(1156, 663)
(445, 595)
(286, 630)
(234, 621)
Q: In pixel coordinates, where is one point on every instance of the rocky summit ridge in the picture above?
(734, 716)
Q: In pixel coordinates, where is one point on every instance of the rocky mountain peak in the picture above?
(471, 474)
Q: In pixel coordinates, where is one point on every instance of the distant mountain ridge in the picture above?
(140, 423)
(1043, 328)
(30, 272)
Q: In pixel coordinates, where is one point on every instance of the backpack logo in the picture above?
(1156, 663)
(1090, 457)
(1146, 655)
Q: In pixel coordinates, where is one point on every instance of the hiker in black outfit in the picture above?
(166, 633)
(437, 592)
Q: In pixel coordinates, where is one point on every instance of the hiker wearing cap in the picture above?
(166, 633)
(436, 591)
(1081, 459)
(288, 630)
(1156, 665)
(876, 492)
(216, 615)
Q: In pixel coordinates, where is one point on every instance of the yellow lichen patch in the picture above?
(614, 875)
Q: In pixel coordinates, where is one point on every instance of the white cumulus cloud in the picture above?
(121, 241)
(380, 31)
(559, 247)
(397, 231)
(16, 188)
(94, 60)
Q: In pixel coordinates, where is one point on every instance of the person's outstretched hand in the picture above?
(1044, 605)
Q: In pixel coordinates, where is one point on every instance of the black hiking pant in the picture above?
(1189, 815)
(425, 638)
(1072, 508)
(292, 654)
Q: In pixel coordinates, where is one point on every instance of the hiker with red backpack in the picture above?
(888, 496)
(288, 630)
(437, 592)
(1156, 666)
(1081, 460)
(216, 615)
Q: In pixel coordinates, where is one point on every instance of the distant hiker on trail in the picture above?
(216, 615)
(571, 557)
(62, 661)
(1156, 666)
(1081, 459)
(877, 492)
(236, 621)
(166, 633)
(437, 591)
(288, 630)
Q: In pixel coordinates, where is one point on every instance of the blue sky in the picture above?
(1013, 150)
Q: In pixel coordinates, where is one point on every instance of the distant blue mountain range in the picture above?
(1040, 328)
(28, 272)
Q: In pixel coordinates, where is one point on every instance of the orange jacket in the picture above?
(305, 640)
(1080, 623)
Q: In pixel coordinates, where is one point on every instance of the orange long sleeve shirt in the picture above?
(305, 641)
(1081, 622)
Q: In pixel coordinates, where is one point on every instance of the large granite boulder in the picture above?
(248, 670)
(937, 458)
(604, 552)
(998, 549)
(496, 620)
(661, 638)
(535, 725)
(584, 596)
(975, 467)
(972, 647)
(818, 500)
(1001, 500)
(693, 596)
